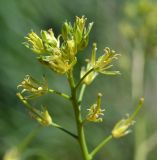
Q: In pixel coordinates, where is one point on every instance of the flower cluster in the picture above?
(32, 87)
(95, 111)
(78, 33)
(60, 57)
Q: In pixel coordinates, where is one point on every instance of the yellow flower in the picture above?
(99, 66)
(32, 87)
(104, 62)
(122, 127)
(95, 111)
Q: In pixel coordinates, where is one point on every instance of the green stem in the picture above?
(80, 81)
(78, 118)
(81, 93)
(64, 130)
(59, 93)
(140, 105)
(30, 108)
(101, 145)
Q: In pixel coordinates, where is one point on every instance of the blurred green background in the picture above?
(130, 28)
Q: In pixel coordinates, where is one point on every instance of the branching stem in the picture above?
(78, 118)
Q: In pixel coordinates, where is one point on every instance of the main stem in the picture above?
(78, 118)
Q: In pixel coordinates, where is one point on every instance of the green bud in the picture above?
(66, 31)
(90, 64)
(71, 49)
(48, 37)
(85, 37)
(88, 29)
(42, 116)
(122, 127)
(77, 36)
(81, 33)
(49, 40)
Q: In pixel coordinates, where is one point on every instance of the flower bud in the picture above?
(90, 77)
(49, 40)
(71, 49)
(122, 127)
(43, 116)
(81, 33)
(35, 43)
(90, 64)
(67, 31)
(80, 23)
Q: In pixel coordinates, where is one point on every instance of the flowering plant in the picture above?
(60, 55)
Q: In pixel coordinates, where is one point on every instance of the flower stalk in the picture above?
(101, 145)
